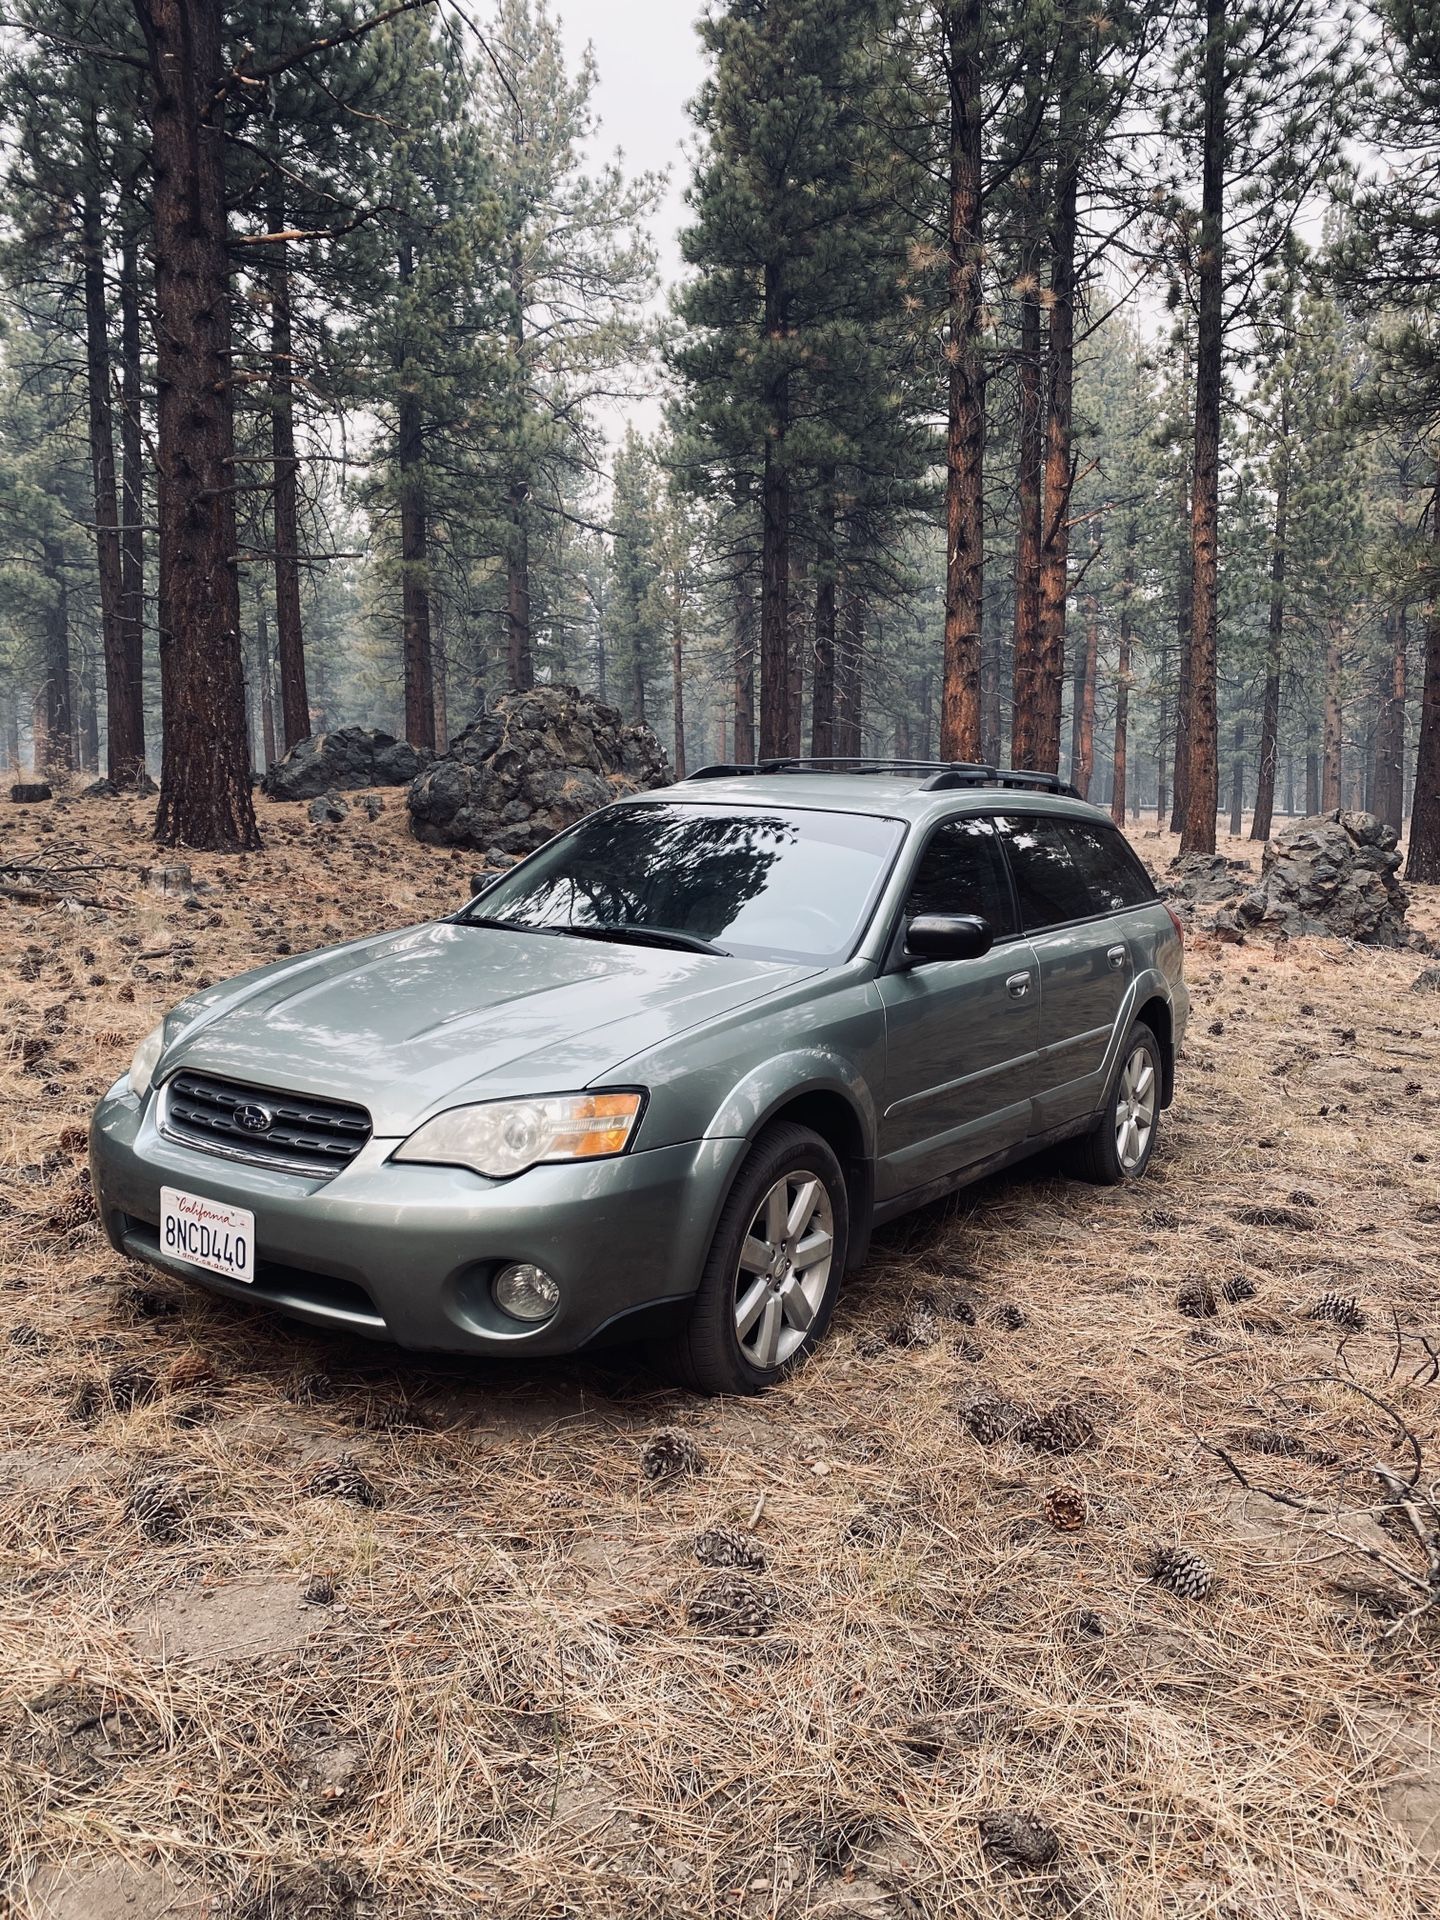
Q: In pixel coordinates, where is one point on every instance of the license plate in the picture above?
(219, 1238)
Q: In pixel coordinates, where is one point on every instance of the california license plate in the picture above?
(221, 1239)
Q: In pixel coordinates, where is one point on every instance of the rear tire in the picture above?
(770, 1280)
(1119, 1147)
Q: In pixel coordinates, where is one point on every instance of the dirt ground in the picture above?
(471, 1677)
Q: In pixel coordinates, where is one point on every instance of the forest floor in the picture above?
(506, 1709)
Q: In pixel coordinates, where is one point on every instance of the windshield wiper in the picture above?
(645, 937)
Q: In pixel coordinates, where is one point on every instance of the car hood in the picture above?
(413, 1022)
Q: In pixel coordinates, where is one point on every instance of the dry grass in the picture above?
(507, 1709)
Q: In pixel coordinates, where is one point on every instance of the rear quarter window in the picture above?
(1071, 869)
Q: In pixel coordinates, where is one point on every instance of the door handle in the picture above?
(1018, 985)
(1116, 957)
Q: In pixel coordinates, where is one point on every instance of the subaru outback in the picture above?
(660, 1081)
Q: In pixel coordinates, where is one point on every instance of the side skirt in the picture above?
(901, 1203)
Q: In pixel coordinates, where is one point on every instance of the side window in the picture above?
(962, 871)
(1112, 871)
(1071, 870)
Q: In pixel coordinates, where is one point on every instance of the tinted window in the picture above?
(962, 871)
(1071, 869)
(791, 885)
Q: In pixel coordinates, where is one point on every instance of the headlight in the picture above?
(504, 1137)
(147, 1057)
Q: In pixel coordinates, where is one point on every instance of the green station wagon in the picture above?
(659, 1081)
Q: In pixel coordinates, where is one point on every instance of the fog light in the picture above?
(526, 1293)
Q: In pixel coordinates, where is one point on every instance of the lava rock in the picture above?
(1426, 981)
(350, 757)
(1333, 874)
(328, 810)
(529, 765)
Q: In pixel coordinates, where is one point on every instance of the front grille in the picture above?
(304, 1134)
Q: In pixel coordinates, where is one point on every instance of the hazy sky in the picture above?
(649, 60)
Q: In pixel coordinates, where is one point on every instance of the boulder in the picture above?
(1426, 981)
(329, 809)
(350, 757)
(1206, 879)
(1331, 874)
(529, 765)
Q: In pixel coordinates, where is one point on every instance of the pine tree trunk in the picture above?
(1237, 783)
(417, 649)
(1085, 723)
(87, 731)
(797, 648)
(992, 666)
(960, 719)
(519, 654)
(1028, 662)
(1389, 797)
(775, 543)
(10, 737)
(1202, 772)
(1270, 704)
(677, 678)
(289, 631)
(1162, 736)
(1184, 630)
(58, 754)
(850, 669)
(1312, 769)
(132, 495)
(441, 676)
(1330, 769)
(267, 684)
(1059, 425)
(123, 755)
(205, 799)
(744, 691)
(822, 685)
(1119, 767)
(1423, 861)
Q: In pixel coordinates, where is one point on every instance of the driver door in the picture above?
(961, 1036)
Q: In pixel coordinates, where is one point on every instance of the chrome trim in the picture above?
(308, 1169)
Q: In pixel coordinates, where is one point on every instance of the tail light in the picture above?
(1176, 922)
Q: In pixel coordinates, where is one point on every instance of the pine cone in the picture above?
(160, 1508)
(729, 1547)
(1066, 1509)
(341, 1479)
(1182, 1572)
(319, 1591)
(1197, 1300)
(150, 1303)
(1341, 1310)
(922, 1740)
(1010, 1317)
(670, 1455)
(132, 1384)
(993, 1421)
(87, 1401)
(1064, 1428)
(918, 1326)
(1018, 1839)
(191, 1372)
(1239, 1287)
(28, 1337)
(1269, 1440)
(1300, 1198)
(731, 1605)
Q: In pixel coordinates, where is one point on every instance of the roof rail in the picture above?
(937, 775)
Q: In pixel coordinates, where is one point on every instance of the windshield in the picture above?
(795, 886)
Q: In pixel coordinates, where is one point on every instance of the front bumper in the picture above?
(407, 1253)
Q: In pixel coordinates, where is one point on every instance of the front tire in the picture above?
(1119, 1148)
(771, 1278)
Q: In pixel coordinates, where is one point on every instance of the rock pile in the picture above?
(1333, 874)
(529, 765)
(350, 757)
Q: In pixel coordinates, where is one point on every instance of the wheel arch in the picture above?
(1156, 1014)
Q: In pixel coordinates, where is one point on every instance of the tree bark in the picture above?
(1161, 737)
(205, 799)
(1389, 799)
(850, 669)
(267, 684)
(1202, 781)
(1330, 769)
(960, 717)
(1263, 818)
(796, 649)
(677, 676)
(744, 689)
(417, 645)
(775, 541)
(1237, 782)
(125, 740)
(1028, 666)
(132, 493)
(289, 630)
(519, 655)
(1120, 757)
(57, 754)
(822, 683)
(1059, 426)
(1084, 755)
(1423, 862)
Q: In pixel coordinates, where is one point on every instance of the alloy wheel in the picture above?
(784, 1269)
(1135, 1109)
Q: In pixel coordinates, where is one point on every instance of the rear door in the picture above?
(1075, 880)
(961, 1036)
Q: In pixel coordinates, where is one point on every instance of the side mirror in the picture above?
(948, 936)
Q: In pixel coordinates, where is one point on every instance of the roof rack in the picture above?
(938, 776)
